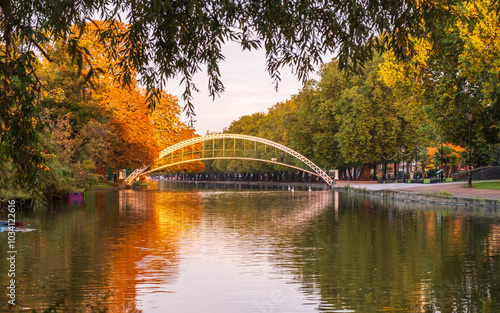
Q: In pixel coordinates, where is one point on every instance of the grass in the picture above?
(493, 185)
(443, 193)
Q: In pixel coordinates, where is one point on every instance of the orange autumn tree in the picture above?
(170, 130)
(139, 133)
(96, 122)
(447, 154)
(135, 142)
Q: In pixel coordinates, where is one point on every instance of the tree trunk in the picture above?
(422, 167)
(101, 170)
(365, 172)
(343, 175)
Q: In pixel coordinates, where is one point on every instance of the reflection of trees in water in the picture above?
(308, 208)
(353, 252)
(266, 211)
(146, 250)
(493, 246)
(115, 243)
(375, 257)
(372, 255)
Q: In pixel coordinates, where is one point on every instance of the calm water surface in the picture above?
(187, 248)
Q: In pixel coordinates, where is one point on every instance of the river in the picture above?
(186, 247)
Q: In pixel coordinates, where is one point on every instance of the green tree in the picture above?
(369, 122)
(463, 77)
(340, 121)
(314, 128)
(165, 39)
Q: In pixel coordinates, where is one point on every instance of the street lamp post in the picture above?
(442, 166)
(403, 152)
(469, 178)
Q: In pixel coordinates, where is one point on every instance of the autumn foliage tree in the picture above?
(463, 77)
(134, 140)
(139, 132)
(446, 155)
(169, 129)
(92, 122)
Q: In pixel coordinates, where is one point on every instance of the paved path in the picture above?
(456, 189)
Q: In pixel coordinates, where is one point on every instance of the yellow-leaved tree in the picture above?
(447, 156)
(443, 87)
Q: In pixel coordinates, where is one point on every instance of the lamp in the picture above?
(469, 178)
(403, 151)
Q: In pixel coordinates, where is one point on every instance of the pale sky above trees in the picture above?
(249, 89)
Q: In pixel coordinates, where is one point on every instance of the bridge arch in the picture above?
(314, 169)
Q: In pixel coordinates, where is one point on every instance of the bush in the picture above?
(431, 172)
(56, 179)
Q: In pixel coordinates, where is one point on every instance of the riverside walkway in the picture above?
(456, 189)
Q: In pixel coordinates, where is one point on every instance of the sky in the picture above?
(248, 89)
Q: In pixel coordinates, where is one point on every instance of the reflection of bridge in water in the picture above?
(231, 147)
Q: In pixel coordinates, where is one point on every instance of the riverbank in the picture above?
(452, 193)
(258, 184)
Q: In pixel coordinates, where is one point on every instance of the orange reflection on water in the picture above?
(493, 241)
(146, 252)
(431, 227)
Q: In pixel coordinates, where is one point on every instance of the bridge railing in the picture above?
(226, 146)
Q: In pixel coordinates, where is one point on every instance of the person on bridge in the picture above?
(282, 155)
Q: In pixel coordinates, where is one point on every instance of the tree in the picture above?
(309, 126)
(445, 155)
(135, 142)
(128, 129)
(166, 122)
(340, 121)
(443, 86)
(165, 39)
(368, 120)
